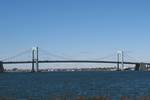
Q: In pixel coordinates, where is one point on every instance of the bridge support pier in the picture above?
(137, 66)
(1, 67)
(140, 67)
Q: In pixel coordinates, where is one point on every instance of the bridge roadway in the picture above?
(72, 61)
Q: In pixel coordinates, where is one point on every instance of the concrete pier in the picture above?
(140, 67)
(1, 67)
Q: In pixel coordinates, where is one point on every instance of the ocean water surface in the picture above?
(70, 85)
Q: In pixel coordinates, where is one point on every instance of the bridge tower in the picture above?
(118, 60)
(35, 59)
(1, 67)
(120, 54)
(122, 59)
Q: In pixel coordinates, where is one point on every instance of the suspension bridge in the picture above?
(35, 60)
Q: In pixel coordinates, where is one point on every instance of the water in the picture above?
(42, 86)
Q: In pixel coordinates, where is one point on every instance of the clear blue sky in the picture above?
(76, 27)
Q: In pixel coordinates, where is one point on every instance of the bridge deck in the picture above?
(70, 61)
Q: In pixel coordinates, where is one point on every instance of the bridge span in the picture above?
(137, 64)
(35, 61)
(72, 61)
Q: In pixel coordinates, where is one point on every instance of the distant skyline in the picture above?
(77, 28)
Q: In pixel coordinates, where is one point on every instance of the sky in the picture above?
(76, 28)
